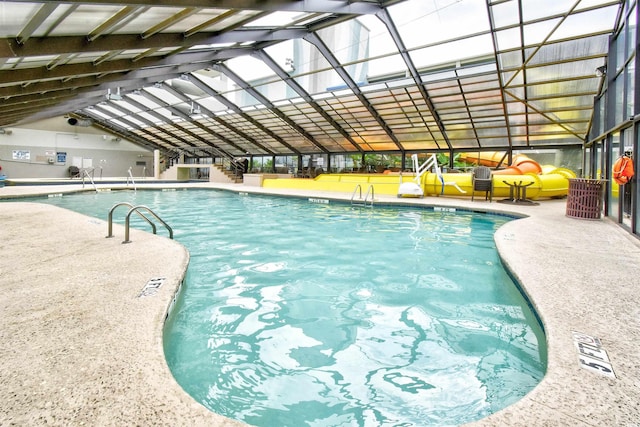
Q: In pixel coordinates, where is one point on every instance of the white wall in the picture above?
(46, 149)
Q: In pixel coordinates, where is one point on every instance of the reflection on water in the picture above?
(297, 314)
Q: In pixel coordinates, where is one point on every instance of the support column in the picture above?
(156, 164)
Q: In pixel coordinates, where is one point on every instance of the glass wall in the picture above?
(614, 188)
(616, 121)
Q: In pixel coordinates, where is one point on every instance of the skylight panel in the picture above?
(84, 19)
(165, 96)
(284, 54)
(250, 69)
(384, 67)
(115, 112)
(380, 41)
(142, 22)
(100, 113)
(347, 41)
(135, 120)
(423, 22)
(598, 20)
(144, 100)
(538, 9)
(14, 17)
(275, 19)
(509, 39)
(452, 52)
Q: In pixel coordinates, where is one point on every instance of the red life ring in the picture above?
(623, 170)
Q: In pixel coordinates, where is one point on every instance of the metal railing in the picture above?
(86, 173)
(360, 201)
(130, 177)
(135, 209)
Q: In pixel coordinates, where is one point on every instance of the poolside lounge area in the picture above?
(82, 346)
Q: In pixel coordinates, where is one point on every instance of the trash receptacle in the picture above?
(584, 200)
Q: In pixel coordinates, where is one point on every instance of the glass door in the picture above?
(613, 205)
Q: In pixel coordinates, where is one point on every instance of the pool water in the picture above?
(310, 314)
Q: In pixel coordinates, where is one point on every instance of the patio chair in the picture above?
(74, 172)
(482, 181)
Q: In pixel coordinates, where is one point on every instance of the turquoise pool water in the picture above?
(303, 314)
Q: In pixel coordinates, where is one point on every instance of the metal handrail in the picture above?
(90, 179)
(362, 201)
(110, 218)
(135, 209)
(358, 188)
(371, 191)
(132, 181)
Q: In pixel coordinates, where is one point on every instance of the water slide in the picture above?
(545, 181)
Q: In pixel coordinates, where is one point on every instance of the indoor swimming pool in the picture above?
(306, 313)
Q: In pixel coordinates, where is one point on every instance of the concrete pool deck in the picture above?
(81, 346)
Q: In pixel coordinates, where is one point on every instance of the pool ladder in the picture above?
(360, 201)
(135, 209)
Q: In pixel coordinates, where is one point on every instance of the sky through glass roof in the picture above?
(281, 77)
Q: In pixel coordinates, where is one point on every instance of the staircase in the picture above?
(221, 170)
(217, 173)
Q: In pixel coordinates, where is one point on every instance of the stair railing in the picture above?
(135, 209)
(360, 201)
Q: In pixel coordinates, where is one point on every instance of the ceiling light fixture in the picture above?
(114, 96)
(195, 109)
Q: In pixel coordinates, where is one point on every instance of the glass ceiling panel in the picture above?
(144, 100)
(168, 115)
(421, 145)
(564, 71)
(275, 19)
(111, 110)
(99, 113)
(383, 68)
(163, 95)
(83, 19)
(598, 20)
(240, 98)
(251, 70)
(464, 144)
(452, 51)
(14, 16)
(121, 124)
(467, 70)
(212, 105)
(128, 106)
(437, 76)
(348, 42)
(195, 20)
(231, 21)
(135, 121)
(505, 14)
(508, 39)
(575, 49)
(424, 22)
(144, 21)
(321, 82)
(276, 91)
(150, 117)
(308, 58)
(536, 32)
(34, 61)
(380, 41)
(535, 9)
(284, 54)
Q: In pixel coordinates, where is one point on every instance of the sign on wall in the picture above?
(61, 157)
(21, 155)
